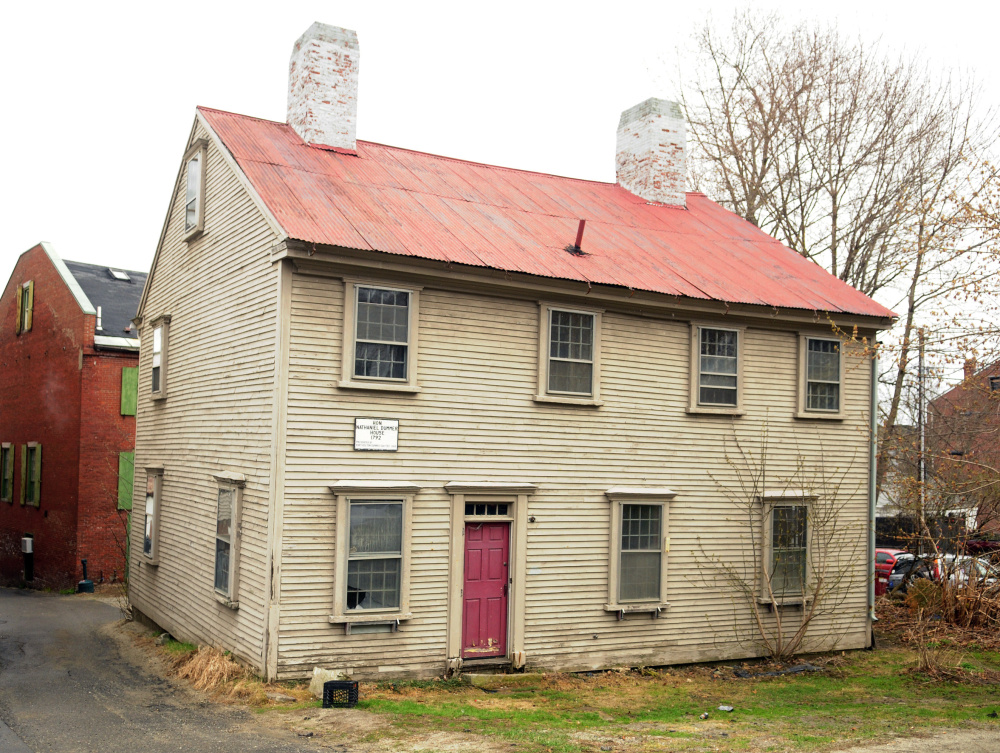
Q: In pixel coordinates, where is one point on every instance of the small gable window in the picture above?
(25, 306)
(194, 190)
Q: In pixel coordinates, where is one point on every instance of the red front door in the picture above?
(484, 616)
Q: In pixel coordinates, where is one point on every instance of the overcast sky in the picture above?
(98, 98)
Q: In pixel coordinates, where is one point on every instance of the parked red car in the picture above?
(884, 560)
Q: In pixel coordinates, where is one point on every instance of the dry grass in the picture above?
(214, 671)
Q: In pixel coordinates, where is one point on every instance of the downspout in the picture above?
(872, 460)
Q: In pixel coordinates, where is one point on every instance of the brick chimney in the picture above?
(323, 86)
(970, 368)
(651, 156)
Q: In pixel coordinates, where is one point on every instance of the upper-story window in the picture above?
(158, 354)
(194, 190)
(25, 306)
(995, 384)
(380, 337)
(821, 369)
(716, 369)
(31, 474)
(7, 472)
(569, 356)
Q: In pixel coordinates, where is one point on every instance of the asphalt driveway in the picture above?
(67, 685)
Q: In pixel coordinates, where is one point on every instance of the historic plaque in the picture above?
(379, 434)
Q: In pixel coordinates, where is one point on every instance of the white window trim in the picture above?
(694, 405)
(543, 395)
(163, 322)
(768, 501)
(198, 149)
(347, 378)
(153, 558)
(360, 491)
(618, 496)
(803, 411)
(236, 483)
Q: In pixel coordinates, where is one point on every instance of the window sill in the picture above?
(656, 606)
(349, 384)
(153, 562)
(561, 400)
(158, 396)
(796, 601)
(712, 410)
(821, 416)
(193, 234)
(371, 618)
(226, 601)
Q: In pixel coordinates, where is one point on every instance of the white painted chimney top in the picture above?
(323, 86)
(651, 159)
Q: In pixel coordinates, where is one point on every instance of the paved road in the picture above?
(67, 686)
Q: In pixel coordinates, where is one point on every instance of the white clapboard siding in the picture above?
(475, 419)
(221, 292)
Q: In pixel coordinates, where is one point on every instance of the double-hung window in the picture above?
(227, 528)
(786, 573)
(639, 547)
(380, 345)
(194, 190)
(569, 356)
(158, 354)
(375, 555)
(716, 369)
(821, 377)
(372, 577)
(7, 472)
(151, 515)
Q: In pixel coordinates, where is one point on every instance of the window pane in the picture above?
(718, 365)
(382, 361)
(224, 518)
(641, 527)
(222, 566)
(717, 342)
(147, 544)
(823, 361)
(717, 396)
(788, 575)
(382, 315)
(157, 339)
(822, 396)
(572, 336)
(639, 576)
(376, 528)
(373, 583)
(193, 188)
(570, 376)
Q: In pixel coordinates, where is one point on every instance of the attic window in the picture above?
(193, 190)
(119, 275)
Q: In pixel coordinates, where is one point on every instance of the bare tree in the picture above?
(797, 561)
(868, 165)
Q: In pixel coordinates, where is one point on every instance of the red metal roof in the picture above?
(412, 204)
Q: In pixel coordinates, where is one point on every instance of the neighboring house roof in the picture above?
(982, 376)
(117, 298)
(409, 203)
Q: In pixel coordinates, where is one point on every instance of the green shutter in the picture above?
(126, 475)
(24, 472)
(37, 501)
(130, 390)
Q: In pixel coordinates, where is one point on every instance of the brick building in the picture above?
(68, 354)
(963, 424)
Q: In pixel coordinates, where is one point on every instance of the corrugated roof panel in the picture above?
(409, 203)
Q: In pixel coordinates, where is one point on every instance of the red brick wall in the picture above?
(40, 402)
(104, 432)
(55, 389)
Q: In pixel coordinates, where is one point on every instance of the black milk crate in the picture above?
(340, 694)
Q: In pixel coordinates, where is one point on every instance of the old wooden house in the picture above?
(401, 414)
